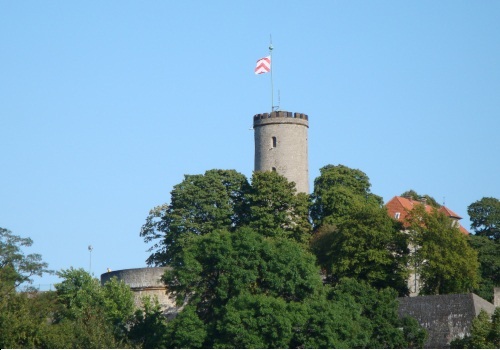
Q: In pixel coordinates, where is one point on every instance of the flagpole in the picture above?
(271, 56)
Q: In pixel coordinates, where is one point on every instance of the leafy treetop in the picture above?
(417, 197)
(485, 217)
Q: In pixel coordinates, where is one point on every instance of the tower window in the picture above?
(274, 169)
(274, 141)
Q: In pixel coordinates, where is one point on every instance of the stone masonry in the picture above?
(145, 282)
(281, 146)
(445, 317)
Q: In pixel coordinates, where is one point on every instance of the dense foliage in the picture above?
(485, 221)
(245, 290)
(17, 268)
(256, 265)
(417, 197)
(79, 314)
(338, 191)
(354, 236)
(485, 217)
(485, 333)
(442, 255)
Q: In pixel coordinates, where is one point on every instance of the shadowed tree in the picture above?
(275, 208)
(485, 217)
(338, 191)
(445, 261)
(367, 245)
(417, 197)
(17, 268)
(199, 205)
(354, 236)
(484, 333)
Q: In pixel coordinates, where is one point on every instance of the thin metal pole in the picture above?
(90, 262)
(272, 68)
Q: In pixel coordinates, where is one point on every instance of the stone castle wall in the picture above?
(281, 146)
(145, 282)
(445, 317)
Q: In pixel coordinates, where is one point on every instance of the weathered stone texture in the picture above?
(287, 154)
(145, 282)
(445, 317)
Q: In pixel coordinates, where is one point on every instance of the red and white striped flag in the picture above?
(263, 65)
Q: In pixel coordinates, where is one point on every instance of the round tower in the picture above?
(281, 146)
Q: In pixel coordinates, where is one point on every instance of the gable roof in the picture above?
(448, 212)
(399, 207)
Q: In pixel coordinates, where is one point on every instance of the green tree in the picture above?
(199, 205)
(17, 268)
(186, 331)
(327, 321)
(255, 321)
(97, 315)
(23, 313)
(417, 197)
(275, 208)
(221, 265)
(443, 257)
(488, 252)
(354, 236)
(380, 307)
(338, 191)
(484, 333)
(367, 245)
(23, 320)
(148, 328)
(485, 217)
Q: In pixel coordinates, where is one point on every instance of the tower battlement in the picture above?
(280, 114)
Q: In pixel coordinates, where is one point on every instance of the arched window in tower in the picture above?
(274, 169)
(274, 141)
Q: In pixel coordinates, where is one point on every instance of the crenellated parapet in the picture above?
(280, 114)
(280, 117)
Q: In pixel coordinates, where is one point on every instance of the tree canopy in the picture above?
(276, 210)
(442, 255)
(354, 236)
(245, 290)
(17, 268)
(367, 245)
(484, 333)
(485, 217)
(338, 191)
(417, 197)
(199, 205)
(485, 221)
(224, 199)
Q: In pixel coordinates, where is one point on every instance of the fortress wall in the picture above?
(445, 317)
(145, 282)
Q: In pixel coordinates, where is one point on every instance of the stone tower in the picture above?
(281, 146)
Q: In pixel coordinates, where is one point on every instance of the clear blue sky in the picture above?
(105, 105)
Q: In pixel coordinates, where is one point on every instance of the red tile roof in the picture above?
(399, 207)
(448, 212)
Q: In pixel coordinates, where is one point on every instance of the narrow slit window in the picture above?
(274, 141)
